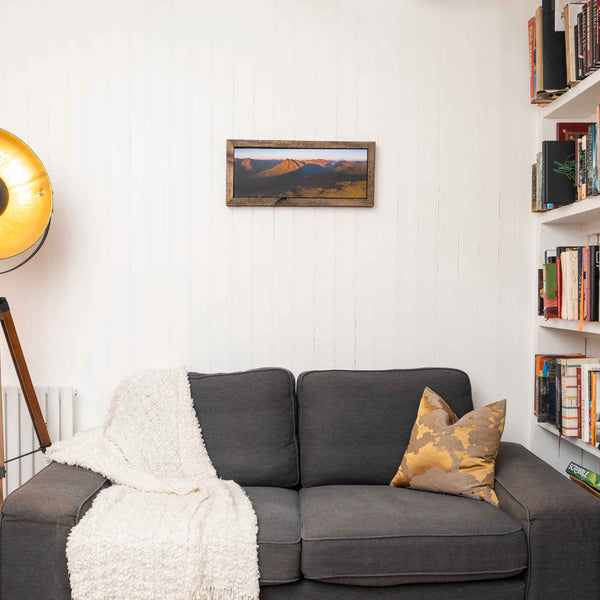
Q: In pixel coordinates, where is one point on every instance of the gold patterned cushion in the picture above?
(451, 455)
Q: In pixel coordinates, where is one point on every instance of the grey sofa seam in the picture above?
(281, 543)
(90, 495)
(279, 581)
(527, 533)
(431, 535)
(412, 574)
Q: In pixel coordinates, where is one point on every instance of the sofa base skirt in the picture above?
(497, 589)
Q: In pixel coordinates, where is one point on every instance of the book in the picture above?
(558, 173)
(534, 188)
(550, 290)
(570, 23)
(552, 62)
(586, 475)
(586, 400)
(570, 394)
(571, 131)
(594, 281)
(539, 179)
(547, 385)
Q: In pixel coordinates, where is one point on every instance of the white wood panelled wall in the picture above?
(129, 102)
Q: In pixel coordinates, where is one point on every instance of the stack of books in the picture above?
(566, 170)
(569, 283)
(566, 395)
(564, 47)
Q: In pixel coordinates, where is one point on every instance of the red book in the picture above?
(569, 132)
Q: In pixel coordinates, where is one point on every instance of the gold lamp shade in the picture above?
(25, 196)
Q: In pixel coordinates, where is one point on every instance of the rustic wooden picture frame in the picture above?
(289, 200)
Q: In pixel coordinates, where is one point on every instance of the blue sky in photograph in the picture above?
(302, 153)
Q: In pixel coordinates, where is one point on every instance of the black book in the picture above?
(594, 281)
(584, 39)
(553, 51)
(558, 158)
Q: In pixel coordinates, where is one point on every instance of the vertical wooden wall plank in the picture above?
(346, 218)
(428, 149)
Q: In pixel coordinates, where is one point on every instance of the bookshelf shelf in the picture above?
(588, 328)
(578, 213)
(580, 102)
(571, 440)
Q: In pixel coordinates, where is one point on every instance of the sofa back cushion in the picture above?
(354, 426)
(248, 422)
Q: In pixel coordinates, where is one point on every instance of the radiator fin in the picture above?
(57, 405)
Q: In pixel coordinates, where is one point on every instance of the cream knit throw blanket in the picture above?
(168, 528)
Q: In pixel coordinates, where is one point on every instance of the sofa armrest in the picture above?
(36, 521)
(560, 519)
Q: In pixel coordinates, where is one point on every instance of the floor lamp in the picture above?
(25, 211)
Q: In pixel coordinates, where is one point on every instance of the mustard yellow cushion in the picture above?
(451, 455)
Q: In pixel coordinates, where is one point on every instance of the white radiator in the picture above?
(19, 436)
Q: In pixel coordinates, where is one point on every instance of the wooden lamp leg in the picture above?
(16, 352)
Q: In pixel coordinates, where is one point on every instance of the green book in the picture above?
(550, 291)
(585, 475)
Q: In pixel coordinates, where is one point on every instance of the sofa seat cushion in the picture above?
(377, 535)
(278, 514)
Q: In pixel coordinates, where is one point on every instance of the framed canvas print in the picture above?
(288, 173)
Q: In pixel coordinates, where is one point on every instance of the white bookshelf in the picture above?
(571, 440)
(561, 324)
(574, 224)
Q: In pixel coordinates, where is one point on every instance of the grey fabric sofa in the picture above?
(316, 459)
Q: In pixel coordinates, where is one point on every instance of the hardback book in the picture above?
(541, 292)
(546, 390)
(594, 35)
(539, 182)
(550, 291)
(539, 53)
(571, 131)
(570, 17)
(584, 41)
(553, 61)
(579, 44)
(558, 172)
(594, 281)
(534, 188)
(589, 161)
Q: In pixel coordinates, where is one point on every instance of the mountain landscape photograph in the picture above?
(300, 172)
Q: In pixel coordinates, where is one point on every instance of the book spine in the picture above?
(594, 32)
(578, 403)
(584, 42)
(586, 284)
(534, 188)
(559, 295)
(589, 151)
(579, 45)
(594, 252)
(531, 37)
(539, 52)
